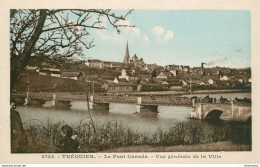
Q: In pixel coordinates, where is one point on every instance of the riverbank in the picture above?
(117, 137)
(193, 92)
(216, 146)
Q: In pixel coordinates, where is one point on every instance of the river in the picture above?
(122, 113)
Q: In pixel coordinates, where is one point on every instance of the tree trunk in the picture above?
(18, 64)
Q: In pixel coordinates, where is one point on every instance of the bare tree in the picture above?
(48, 32)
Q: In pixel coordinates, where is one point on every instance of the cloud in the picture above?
(169, 35)
(158, 30)
(106, 35)
(161, 34)
(102, 34)
(145, 37)
(134, 30)
(112, 35)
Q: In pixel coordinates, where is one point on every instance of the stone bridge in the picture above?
(97, 102)
(146, 104)
(143, 104)
(230, 111)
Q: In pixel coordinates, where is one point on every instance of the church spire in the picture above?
(127, 57)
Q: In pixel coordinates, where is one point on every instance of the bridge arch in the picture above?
(214, 114)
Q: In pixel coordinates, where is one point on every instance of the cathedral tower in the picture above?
(127, 57)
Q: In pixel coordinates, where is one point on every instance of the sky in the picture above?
(181, 37)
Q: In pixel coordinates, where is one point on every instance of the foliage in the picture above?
(55, 32)
(62, 29)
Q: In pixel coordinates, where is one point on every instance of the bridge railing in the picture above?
(166, 100)
(115, 99)
(107, 99)
(145, 100)
(49, 96)
(169, 101)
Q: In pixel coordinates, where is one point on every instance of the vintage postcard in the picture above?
(164, 83)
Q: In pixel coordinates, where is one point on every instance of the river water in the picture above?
(122, 113)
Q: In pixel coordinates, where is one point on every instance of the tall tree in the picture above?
(47, 32)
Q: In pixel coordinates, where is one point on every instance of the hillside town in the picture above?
(130, 75)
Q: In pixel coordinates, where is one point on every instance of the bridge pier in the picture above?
(33, 101)
(97, 106)
(145, 108)
(54, 100)
(197, 111)
(26, 100)
(60, 103)
(63, 104)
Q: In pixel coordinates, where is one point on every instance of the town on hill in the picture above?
(58, 74)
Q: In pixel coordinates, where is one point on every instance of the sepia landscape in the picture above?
(101, 80)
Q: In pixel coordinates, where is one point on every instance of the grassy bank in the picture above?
(112, 135)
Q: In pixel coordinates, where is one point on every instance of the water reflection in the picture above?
(121, 113)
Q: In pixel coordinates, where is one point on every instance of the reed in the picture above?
(116, 134)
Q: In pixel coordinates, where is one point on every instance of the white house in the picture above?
(44, 71)
(184, 83)
(174, 72)
(240, 80)
(115, 80)
(146, 68)
(211, 81)
(124, 74)
(224, 78)
(31, 68)
(186, 68)
(55, 72)
(95, 64)
(202, 83)
(164, 74)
